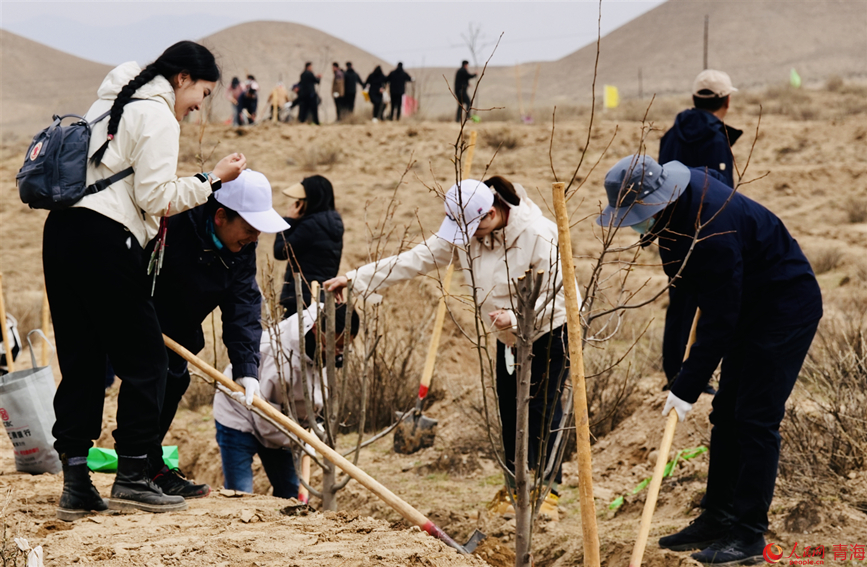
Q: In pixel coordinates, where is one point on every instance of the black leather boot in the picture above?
(79, 497)
(134, 489)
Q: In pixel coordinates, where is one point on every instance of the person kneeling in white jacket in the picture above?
(242, 433)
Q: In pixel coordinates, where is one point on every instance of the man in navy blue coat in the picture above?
(210, 262)
(760, 307)
(698, 138)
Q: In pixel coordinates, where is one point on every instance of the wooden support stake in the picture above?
(576, 372)
(7, 340)
(659, 469)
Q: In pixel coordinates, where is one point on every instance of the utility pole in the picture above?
(706, 20)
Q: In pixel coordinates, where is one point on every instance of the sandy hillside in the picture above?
(756, 42)
(808, 166)
(37, 81)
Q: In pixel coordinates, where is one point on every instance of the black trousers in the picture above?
(547, 376)
(396, 104)
(756, 379)
(308, 108)
(99, 293)
(349, 103)
(463, 103)
(177, 383)
(376, 101)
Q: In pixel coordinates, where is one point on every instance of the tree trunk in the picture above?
(528, 287)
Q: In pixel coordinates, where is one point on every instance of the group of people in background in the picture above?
(379, 89)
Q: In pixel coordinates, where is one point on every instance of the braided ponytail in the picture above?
(182, 57)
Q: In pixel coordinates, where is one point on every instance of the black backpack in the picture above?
(54, 174)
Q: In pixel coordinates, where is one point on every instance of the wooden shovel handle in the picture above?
(659, 469)
(427, 374)
(400, 506)
(7, 343)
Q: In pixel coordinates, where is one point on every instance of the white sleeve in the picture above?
(153, 153)
(434, 253)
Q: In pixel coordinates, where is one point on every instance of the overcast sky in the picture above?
(417, 33)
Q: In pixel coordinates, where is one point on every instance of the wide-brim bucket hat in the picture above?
(638, 188)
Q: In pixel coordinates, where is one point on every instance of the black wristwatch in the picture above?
(215, 181)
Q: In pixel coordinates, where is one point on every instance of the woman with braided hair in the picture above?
(96, 273)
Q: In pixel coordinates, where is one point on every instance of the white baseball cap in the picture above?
(466, 204)
(250, 196)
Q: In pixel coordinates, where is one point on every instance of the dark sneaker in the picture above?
(732, 551)
(133, 489)
(709, 390)
(699, 534)
(79, 497)
(173, 481)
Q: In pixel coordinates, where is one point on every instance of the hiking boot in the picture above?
(699, 534)
(173, 482)
(79, 497)
(732, 551)
(133, 489)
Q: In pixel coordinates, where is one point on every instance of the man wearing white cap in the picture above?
(209, 262)
(499, 233)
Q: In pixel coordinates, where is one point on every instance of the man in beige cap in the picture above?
(699, 138)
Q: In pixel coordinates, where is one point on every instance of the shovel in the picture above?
(416, 431)
(274, 416)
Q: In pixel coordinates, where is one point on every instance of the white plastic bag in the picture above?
(26, 398)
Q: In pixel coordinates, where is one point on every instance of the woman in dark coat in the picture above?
(314, 242)
(376, 83)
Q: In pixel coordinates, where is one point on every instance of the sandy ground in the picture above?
(812, 172)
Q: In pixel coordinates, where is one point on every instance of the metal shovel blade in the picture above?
(474, 541)
(414, 432)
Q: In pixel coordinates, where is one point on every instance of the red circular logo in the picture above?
(34, 153)
(4, 415)
(773, 553)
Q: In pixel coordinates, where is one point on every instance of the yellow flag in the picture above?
(612, 97)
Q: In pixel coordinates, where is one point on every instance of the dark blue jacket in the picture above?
(746, 273)
(196, 278)
(700, 139)
(313, 245)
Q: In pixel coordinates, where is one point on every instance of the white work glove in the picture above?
(674, 403)
(251, 390)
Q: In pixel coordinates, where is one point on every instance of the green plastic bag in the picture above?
(105, 460)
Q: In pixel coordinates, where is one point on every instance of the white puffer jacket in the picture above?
(528, 242)
(147, 139)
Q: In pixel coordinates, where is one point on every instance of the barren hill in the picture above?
(756, 42)
(37, 81)
(273, 51)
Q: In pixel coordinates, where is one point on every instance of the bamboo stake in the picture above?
(579, 389)
(399, 505)
(46, 322)
(7, 342)
(520, 97)
(659, 469)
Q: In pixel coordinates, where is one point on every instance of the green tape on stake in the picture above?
(682, 455)
(105, 460)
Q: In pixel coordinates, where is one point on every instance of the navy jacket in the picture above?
(700, 139)
(307, 85)
(397, 81)
(350, 79)
(196, 278)
(313, 245)
(747, 274)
